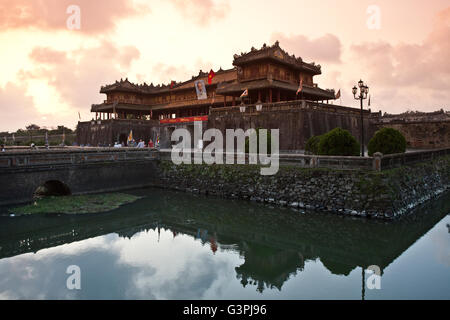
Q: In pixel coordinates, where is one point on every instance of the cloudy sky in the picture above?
(50, 72)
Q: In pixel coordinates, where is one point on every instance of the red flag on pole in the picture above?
(300, 87)
(245, 93)
(211, 75)
(172, 83)
(338, 94)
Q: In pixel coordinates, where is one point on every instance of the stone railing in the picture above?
(376, 163)
(287, 106)
(401, 159)
(107, 121)
(75, 155)
(36, 137)
(304, 161)
(71, 156)
(332, 162)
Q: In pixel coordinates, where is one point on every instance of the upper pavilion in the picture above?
(269, 74)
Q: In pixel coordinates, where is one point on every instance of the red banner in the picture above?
(187, 119)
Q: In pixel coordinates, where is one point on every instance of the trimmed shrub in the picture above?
(312, 145)
(269, 142)
(387, 141)
(338, 142)
(40, 143)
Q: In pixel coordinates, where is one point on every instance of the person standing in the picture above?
(141, 144)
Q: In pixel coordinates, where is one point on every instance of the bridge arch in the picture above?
(52, 188)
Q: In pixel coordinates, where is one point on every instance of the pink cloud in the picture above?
(321, 50)
(166, 73)
(47, 56)
(425, 64)
(202, 12)
(17, 108)
(96, 16)
(78, 75)
(409, 76)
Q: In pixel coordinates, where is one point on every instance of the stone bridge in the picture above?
(74, 171)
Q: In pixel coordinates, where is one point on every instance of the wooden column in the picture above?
(224, 101)
(278, 95)
(270, 95)
(234, 101)
(259, 95)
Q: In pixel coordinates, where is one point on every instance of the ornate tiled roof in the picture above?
(237, 87)
(275, 53)
(127, 86)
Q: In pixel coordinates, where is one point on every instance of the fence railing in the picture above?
(376, 163)
(35, 137)
(401, 159)
(70, 156)
(77, 155)
(286, 106)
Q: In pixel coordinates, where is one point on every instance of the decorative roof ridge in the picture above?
(145, 88)
(270, 49)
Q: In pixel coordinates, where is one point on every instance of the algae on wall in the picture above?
(383, 194)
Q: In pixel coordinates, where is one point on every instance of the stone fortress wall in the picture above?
(422, 130)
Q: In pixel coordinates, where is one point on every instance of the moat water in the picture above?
(172, 245)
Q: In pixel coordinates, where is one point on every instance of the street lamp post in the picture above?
(363, 91)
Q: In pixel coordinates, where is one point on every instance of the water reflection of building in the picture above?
(274, 245)
(268, 267)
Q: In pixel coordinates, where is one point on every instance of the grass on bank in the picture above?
(82, 204)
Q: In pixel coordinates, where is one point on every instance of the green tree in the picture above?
(32, 127)
(387, 141)
(312, 145)
(20, 132)
(61, 130)
(338, 142)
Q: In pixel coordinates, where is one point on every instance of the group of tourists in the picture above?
(134, 144)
